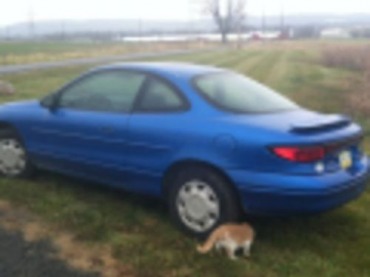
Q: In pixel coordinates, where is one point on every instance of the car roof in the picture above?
(174, 69)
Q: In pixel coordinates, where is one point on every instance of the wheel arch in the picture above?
(172, 171)
(6, 126)
(8, 129)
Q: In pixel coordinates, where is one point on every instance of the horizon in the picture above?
(22, 11)
(182, 20)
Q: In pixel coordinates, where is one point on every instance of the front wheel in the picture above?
(14, 160)
(200, 200)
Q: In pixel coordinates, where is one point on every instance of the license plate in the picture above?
(345, 159)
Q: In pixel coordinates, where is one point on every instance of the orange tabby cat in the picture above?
(230, 237)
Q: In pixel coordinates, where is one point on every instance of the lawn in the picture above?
(138, 229)
(33, 52)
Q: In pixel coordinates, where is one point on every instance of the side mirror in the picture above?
(49, 101)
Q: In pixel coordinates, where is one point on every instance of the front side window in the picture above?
(111, 91)
(160, 96)
(236, 93)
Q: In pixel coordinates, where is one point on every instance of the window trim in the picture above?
(90, 74)
(144, 90)
(134, 109)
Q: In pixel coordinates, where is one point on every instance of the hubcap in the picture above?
(12, 157)
(198, 205)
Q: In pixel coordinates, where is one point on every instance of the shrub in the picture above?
(357, 59)
(350, 57)
(359, 100)
(6, 88)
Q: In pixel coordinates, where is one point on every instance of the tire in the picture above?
(194, 197)
(14, 160)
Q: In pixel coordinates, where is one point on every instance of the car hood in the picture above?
(14, 111)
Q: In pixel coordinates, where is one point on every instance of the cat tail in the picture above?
(207, 246)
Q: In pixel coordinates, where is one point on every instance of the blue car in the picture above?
(212, 143)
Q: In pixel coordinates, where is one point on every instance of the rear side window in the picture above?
(112, 91)
(236, 93)
(159, 96)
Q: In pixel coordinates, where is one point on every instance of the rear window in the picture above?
(237, 93)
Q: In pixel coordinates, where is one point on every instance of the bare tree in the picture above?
(229, 20)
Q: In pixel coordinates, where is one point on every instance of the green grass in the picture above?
(138, 229)
(20, 53)
(33, 52)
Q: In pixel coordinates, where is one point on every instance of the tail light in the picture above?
(303, 154)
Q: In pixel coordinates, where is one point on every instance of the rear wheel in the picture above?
(200, 200)
(14, 160)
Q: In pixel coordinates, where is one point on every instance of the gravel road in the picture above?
(19, 258)
(11, 69)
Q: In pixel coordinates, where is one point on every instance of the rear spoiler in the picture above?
(319, 124)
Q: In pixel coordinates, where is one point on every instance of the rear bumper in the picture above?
(274, 194)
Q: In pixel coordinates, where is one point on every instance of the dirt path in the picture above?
(29, 247)
(11, 69)
(32, 259)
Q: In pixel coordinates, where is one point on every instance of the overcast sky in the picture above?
(12, 11)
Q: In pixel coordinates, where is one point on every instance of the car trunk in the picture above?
(336, 134)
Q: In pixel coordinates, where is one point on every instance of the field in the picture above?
(23, 53)
(138, 230)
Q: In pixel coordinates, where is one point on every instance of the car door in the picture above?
(86, 133)
(155, 131)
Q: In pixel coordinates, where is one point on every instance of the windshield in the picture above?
(234, 92)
